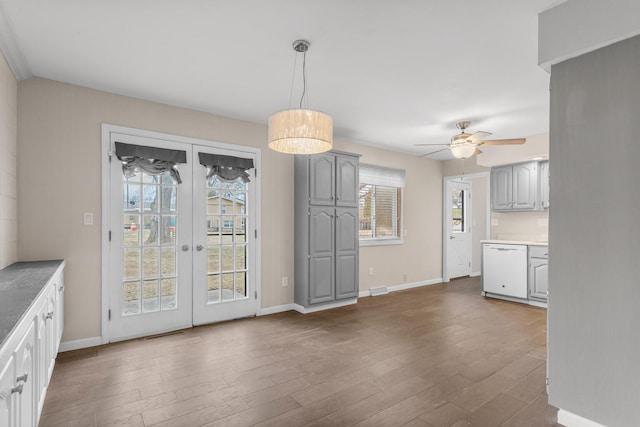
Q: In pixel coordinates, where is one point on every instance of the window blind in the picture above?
(378, 175)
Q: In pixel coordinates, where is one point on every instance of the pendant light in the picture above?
(301, 131)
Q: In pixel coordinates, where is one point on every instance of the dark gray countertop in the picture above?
(20, 284)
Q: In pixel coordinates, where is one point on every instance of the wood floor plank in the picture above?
(425, 357)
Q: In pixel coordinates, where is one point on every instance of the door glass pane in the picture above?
(131, 298)
(457, 210)
(151, 298)
(150, 214)
(169, 294)
(227, 225)
(213, 288)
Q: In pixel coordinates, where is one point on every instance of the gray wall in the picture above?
(594, 236)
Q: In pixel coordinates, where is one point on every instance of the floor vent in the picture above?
(379, 291)
(152, 337)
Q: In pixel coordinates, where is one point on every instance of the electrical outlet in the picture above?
(404, 277)
(370, 271)
(87, 218)
(285, 281)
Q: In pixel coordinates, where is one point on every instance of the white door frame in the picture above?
(445, 204)
(107, 130)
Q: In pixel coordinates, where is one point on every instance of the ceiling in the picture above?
(391, 73)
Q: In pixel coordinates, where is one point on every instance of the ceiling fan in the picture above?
(465, 145)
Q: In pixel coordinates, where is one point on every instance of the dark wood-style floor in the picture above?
(440, 355)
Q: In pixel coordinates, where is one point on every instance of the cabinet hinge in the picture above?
(109, 235)
(546, 381)
(109, 314)
(256, 233)
(255, 294)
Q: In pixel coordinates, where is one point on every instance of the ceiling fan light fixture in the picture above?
(301, 130)
(463, 151)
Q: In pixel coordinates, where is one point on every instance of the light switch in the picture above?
(88, 218)
(495, 222)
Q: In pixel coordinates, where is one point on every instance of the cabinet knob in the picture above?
(17, 389)
(199, 248)
(23, 377)
(61, 288)
(49, 315)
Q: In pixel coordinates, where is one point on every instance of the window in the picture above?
(380, 205)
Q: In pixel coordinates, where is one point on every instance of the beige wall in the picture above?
(60, 133)
(420, 257)
(8, 165)
(60, 176)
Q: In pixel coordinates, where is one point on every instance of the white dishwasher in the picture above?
(504, 269)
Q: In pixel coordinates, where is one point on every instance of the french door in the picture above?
(179, 253)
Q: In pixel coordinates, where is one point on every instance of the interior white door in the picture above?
(458, 230)
(224, 233)
(150, 259)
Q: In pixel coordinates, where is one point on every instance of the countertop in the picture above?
(515, 242)
(20, 285)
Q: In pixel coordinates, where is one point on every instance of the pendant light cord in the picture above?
(293, 76)
(304, 78)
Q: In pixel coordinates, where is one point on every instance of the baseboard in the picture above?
(305, 310)
(78, 344)
(568, 419)
(404, 286)
(275, 309)
(475, 274)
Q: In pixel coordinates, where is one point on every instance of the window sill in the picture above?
(381, 242)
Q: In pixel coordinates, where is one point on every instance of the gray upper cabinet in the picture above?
(501, 187)
(322, 183)
(544, 184)
(525, 185)
(515, 187)
(347, 181)
(326, 228)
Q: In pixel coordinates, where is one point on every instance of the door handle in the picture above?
(451, 237)
(185, 248)
(199, 248)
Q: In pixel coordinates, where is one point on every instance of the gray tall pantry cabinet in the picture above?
(326, 228)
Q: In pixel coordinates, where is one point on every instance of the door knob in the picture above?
(199, 248)
(185, 248)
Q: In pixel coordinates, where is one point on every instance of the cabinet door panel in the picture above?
(346, 253)
(539, 278)
(501, 188)
(321, 279)
(321, 255)
(544, 184)
(25, 374)
(524, 185)
(346, 181)
(7, 398)
(346, 282)
(322, 180)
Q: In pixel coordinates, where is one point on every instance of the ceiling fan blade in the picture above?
(434, 152)
(503, 141)
(477, 136)
(424, 145)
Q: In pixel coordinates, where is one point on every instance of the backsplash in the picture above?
(530, 226)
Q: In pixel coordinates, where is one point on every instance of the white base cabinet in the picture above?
(28, 353)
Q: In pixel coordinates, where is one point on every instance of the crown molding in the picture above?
(10, 50)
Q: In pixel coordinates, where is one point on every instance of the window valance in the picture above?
(152, 160)
(227, 168)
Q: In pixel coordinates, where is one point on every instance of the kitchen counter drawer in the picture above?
(539, 252)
